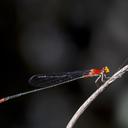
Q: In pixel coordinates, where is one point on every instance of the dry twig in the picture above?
(85, 105)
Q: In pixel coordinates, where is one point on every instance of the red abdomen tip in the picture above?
(2, 100)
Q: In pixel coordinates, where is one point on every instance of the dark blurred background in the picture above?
(46, 36)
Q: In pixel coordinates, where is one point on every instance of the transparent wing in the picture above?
(41, 80)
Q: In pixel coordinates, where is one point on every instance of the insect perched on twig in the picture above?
(55, 79)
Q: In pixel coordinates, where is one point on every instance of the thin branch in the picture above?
(85, 105)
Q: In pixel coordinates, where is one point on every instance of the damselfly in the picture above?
(53, 80)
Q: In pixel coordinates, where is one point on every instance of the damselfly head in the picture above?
(106, 69)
